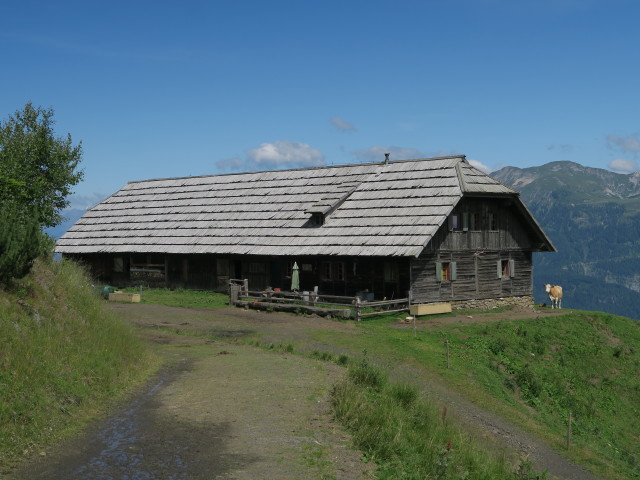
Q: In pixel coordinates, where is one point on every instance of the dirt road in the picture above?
(227, 411)
(217, 411)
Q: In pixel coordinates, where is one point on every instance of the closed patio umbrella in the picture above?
(295, 278)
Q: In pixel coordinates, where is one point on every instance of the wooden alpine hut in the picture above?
(438, 227)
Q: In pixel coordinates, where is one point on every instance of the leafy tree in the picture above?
(37, 172)
(21, 240)
(37, 169)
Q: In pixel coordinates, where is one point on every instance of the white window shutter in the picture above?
(512, 268)
(454, 270)
(499, 268)
(438, 271)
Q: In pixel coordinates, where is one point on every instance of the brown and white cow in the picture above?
(555, 295)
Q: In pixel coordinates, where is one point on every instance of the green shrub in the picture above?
(365, 374)
(21, 241)
(404, 393)
(342, 359)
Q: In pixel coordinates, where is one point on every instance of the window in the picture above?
(333, 271)
(338, 271)
(492, 222)
(465, 221)
(390, 272)
(326, 271)
(455, 222)
(288, 270)
(506, 268)
(474, 221)
(317, 219)
(118, 264)
(446, 271)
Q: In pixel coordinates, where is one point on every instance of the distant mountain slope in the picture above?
(593, 218)
(71, 216)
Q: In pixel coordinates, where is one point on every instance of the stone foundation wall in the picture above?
(524, 302)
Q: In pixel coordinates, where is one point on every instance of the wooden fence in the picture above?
(311, 302)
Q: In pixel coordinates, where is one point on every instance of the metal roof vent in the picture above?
(386, 158)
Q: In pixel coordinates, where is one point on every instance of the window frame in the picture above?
(492, 222)
(455, 222)
(446, 271)
(506, 268)
(333, 272)
(475, 222)
(317, 219)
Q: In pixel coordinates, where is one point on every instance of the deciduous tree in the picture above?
(37, 172)
(37, 168)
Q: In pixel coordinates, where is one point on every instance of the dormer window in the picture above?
(317, 219)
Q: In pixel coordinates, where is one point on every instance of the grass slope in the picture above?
(535, 372)
(62, 355)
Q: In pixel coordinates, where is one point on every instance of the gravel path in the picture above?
(217, 411)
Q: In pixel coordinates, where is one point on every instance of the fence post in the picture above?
(358, 309)
(234, 293)
(245, 284)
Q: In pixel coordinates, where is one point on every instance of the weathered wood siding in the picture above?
(476, 276)
(477, 254)
(509, 232)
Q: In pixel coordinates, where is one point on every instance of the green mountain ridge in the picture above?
(593, 218)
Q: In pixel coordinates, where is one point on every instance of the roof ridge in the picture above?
(463, 158)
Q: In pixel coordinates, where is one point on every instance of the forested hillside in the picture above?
(593, 219)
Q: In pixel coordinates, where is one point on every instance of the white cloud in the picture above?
(280, 154)
(285, 153)
(621, 165)
(630, 143)
(480, 166)
(376, 154)
(343, 125)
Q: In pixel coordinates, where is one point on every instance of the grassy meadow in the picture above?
(62, 356)
(181, 298)
(534, 372)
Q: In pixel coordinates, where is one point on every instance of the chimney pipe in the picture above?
(386, 158)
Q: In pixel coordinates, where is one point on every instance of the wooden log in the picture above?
(383, 312)
(283, 307)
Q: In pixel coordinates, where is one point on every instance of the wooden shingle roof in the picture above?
(375, 209)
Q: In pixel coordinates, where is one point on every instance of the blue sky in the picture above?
(163, 89)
